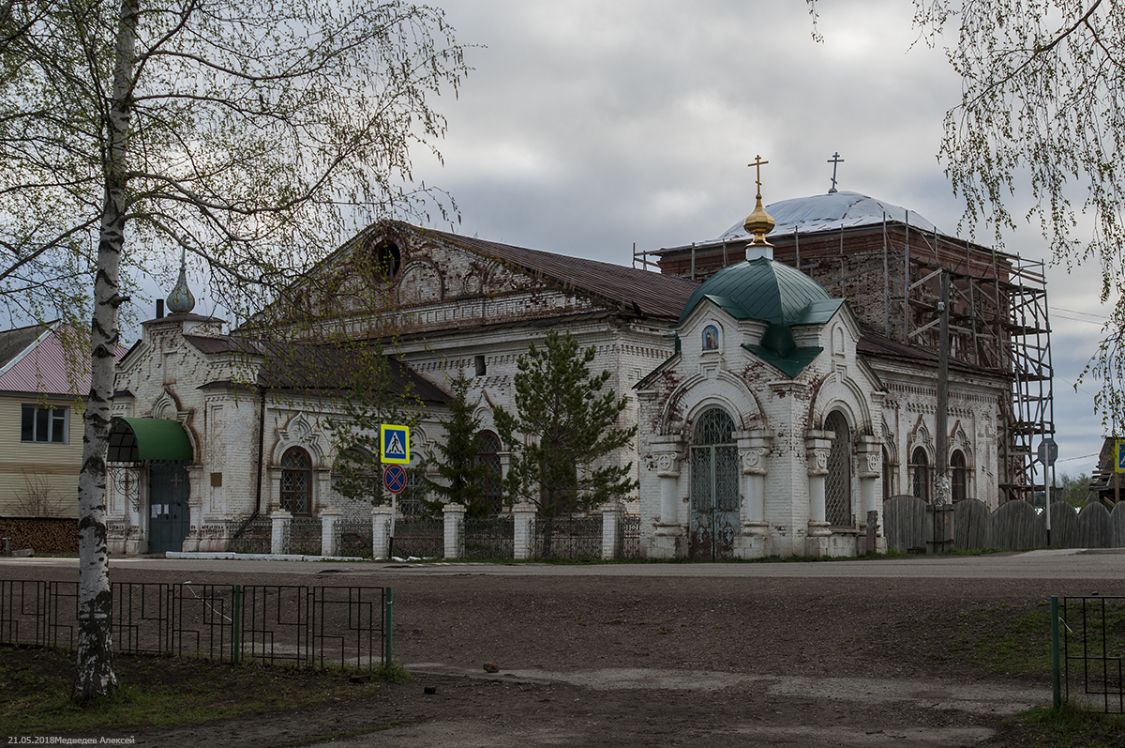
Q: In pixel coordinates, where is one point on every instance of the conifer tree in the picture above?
(564, 426)
(456, 462)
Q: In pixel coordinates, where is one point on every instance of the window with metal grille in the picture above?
(920, 474)
(488, 457)
(838, 482)
(959, 475)
(296, 481)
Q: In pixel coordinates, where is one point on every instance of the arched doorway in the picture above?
(487, 445)
(714, 487)
(838, 482)
(296, 481)
(163, 449)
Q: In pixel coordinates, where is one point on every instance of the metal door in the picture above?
(714, 487)
(167, 506)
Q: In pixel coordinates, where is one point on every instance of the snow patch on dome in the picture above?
(830, 211)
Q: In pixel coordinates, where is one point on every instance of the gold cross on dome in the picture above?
(758, 163)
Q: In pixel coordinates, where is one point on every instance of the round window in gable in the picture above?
(385, 259)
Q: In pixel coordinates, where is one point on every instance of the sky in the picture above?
(586, 127)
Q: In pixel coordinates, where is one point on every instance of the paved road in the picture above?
(1047, 564)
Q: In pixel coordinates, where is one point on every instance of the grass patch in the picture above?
(1008, 640)
(1016, 641)
(156, 692)
(1069, 727)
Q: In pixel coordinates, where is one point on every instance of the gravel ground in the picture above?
(853, 639)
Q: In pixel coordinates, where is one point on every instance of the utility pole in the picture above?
(942, 488)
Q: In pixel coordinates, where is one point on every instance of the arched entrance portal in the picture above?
(714, 487)
(163, 447)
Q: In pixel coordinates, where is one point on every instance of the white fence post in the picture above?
(611, 530)
(328, 520)
(453, 530)
(279, 531)
(380, 532)
(523, 530)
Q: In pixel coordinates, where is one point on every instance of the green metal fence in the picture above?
(297, 625)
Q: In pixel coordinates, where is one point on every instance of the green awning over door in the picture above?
(143, 439)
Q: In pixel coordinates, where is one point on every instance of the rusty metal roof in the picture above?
(640, 292)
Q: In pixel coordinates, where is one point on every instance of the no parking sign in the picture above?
(394, 478)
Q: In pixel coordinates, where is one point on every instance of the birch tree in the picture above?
(252, 135)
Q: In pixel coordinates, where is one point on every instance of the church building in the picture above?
(782, 379)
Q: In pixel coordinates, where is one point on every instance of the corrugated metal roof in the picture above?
(827, 212)
(641, 291)
(45, 368)
(15, 341)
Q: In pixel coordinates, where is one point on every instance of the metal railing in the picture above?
(629, 544)
(297, 625)
(419, 538)
(489, 538)
(353, 537)
(255, 536)
(568, 538)
(1087, 650)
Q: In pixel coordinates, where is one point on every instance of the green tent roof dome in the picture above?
(765, 290)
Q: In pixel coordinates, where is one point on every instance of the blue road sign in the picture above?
(1120, 461)
(394, 444)
(394, 478)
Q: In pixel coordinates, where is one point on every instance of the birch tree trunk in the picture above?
(94, 675)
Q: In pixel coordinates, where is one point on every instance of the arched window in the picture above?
(711, 338)
(386, 258)
(838, 482)
(296, 481)
(888, 476)
(487, 446)
(920, 474)
(958, 475)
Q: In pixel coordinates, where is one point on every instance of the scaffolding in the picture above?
(998, 318)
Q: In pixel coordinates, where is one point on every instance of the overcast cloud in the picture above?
(588, 126)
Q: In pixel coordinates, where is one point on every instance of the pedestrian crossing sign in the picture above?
(1119, 456)
(394, 444)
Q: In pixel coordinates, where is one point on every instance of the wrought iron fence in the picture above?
(489, 538)
(1088, 649)
(353, 536)
(418, 537)
(255, 538)
(302, 626)
(629, 542)
(304, 536)
(569, 538)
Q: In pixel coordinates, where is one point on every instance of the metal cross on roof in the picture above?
(758, 163)
(835, 160)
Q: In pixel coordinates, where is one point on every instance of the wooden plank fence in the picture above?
(1014, 526)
